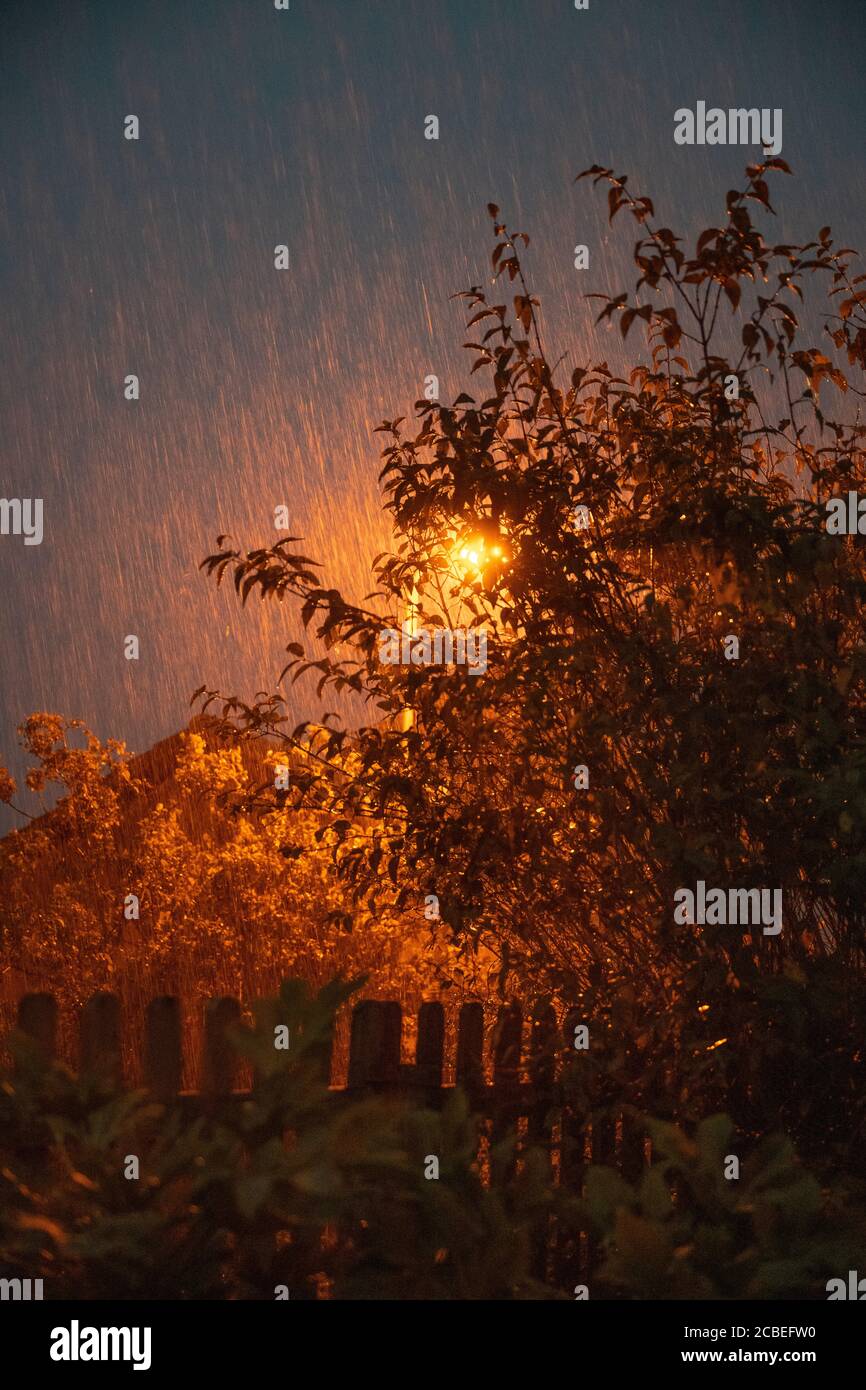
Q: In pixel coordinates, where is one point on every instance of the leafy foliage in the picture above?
(684, 1231)
(292, 1187)
(702, 477)
(605, 644)
(230, 900)
(299, 1187)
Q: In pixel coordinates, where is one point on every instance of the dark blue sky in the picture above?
(259, 387)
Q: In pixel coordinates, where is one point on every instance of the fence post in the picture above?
(220, 1060)
(430, 1050)
(37, 1017)
(542, 1070)
(507, 1044)
(632, 1158)
(470, 1052)
(163, 1047)
(374, 1044)
(572, 1245)
(543, 1041)
(99, 1038)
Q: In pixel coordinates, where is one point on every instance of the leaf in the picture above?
(843, 679)
(655, 1195)
(643, 1244)
(27, 1222)
(713, 1139)
(606, 1191)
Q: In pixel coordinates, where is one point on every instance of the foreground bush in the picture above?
(772, 1233)
(301, 1189)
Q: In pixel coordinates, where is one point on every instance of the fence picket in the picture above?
(507, 1043)
(37, 1017)
(99, 1038)
(430, 1046)
(162, 1047)
(219, 1062)
(374, 1046)
(542, 1070)
(543, 1041)
(470, 1050)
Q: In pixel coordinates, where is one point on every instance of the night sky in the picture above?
(261, 387)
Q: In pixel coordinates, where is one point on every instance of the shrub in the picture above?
(327, 1196)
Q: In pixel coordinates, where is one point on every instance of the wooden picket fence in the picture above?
(519, 1092)
(523, 1082)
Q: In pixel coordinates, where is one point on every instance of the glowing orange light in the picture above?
(475, 556)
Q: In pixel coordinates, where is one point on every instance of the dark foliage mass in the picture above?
(297, 1190)
(610, 535)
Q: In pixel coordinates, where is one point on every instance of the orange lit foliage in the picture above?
(227, 905)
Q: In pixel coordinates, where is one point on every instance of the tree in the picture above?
(610, 536)
(144, 878)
